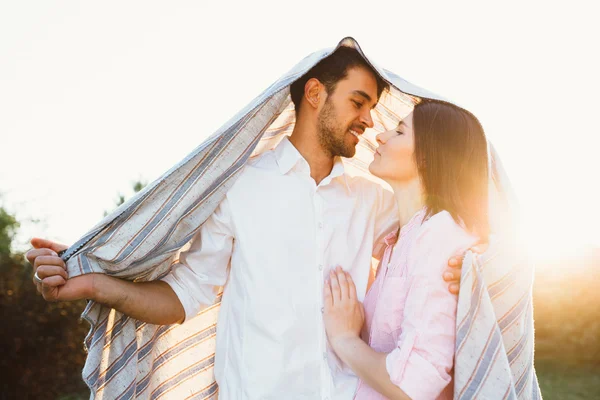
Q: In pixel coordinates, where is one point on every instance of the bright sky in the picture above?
(94, 95)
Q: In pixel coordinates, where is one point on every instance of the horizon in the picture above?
(72, 87)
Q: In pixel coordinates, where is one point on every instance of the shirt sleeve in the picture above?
(204, 267)
(386, 220)
(421, 363)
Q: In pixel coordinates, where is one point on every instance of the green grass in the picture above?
(567, 381)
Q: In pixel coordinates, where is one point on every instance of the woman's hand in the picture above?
(344, 314)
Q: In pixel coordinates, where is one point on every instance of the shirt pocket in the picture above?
(391, 307)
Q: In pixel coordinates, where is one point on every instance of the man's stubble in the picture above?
(331, 133)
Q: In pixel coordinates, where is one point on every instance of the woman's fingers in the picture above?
(327, 296)
(335, 287)
(341, 287)
(351, 287)
(343, 282)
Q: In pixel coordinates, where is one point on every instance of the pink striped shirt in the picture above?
(410, 314)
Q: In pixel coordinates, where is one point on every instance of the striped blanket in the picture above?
(141, 240)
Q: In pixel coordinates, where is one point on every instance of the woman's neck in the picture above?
(409, 198)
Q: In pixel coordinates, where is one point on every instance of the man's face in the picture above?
(347, 112)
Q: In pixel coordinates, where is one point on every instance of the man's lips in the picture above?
(356, 133)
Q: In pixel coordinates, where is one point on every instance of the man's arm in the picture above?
(190, 285)
(153, 302)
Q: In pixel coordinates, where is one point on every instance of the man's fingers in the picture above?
(48, 260)
(451, 275)
(34, 253)
(455, 262)
(351, 287)
(52, 282)
(39, 243)
(453, 288)
(45, 271)
(480, 248)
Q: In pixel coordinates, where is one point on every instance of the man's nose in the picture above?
(366, 119)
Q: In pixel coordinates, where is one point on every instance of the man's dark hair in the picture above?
(452, 159)
(331, 70)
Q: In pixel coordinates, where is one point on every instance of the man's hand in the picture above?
(153, 302)
(51, 269)
(343, 314)
(453, 272)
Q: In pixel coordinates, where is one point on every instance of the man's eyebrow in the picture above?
(365, 95)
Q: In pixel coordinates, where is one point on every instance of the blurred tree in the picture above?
(41, 344)
(8, 229)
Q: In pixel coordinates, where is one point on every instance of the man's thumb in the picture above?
(39, 243)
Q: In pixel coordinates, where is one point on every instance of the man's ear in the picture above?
(314, 92)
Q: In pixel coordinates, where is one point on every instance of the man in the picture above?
(292, 215)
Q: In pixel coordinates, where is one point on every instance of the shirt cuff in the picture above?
(411, 372)
(190, 306)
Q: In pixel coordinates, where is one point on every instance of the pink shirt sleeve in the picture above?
(421, 363)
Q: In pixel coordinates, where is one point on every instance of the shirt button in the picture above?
(320, 225)
(320, 267)
(324, 356)
(322, 310)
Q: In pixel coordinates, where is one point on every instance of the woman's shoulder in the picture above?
(440, 233)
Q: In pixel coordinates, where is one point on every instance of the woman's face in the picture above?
(395, 157)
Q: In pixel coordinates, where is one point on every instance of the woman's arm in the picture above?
(368, 365)
(344, 317)
(419, 366)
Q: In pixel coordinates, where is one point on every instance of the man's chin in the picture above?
(349, 153)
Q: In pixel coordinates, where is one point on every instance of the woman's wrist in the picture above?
(345, 346)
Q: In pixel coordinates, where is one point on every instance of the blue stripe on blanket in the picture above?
(484, 366)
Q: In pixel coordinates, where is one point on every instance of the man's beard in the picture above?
(332, 136)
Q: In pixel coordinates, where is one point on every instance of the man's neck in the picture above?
(319, 161)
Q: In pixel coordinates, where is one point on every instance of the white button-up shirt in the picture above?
(272, 242)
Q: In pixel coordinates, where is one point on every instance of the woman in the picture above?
(436, 163)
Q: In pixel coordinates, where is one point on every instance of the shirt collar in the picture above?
(415, 220)
(288, 157)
